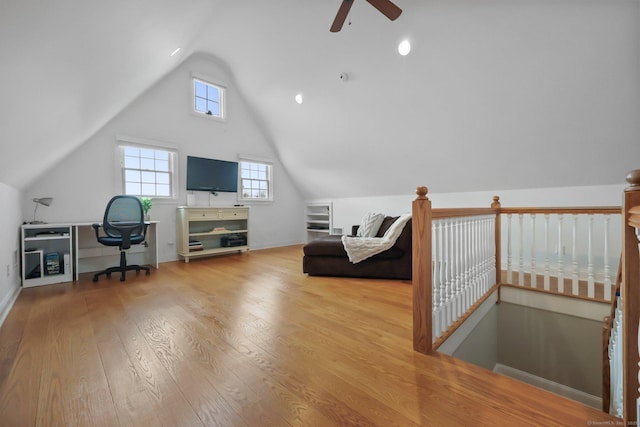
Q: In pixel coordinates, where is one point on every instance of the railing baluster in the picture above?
(449, 284)
(466, 225)
(521, 253)
(437, 298)
(454, 270)
(488, 255)
(509, 266)
(534, 279)
(547, 250)
(560, 256)
(607, 269)
(470, 265)
(494, 248)
(574, 275)
(442, 269)
(591, 281)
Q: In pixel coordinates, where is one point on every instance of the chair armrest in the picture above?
(96, 228)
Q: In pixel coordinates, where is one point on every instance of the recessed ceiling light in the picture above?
(175, 51)
(404, 47)
(299, 99)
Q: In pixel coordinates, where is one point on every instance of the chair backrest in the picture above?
(124, 215)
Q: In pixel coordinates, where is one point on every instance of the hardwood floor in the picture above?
(244, 340)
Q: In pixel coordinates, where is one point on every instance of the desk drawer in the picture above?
(204, 214)
(234, 213)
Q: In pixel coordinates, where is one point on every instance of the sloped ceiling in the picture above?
(496, 94)
(69, 66)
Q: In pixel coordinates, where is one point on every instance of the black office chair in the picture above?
(123, 226)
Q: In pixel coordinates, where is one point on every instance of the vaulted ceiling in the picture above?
(496, 94)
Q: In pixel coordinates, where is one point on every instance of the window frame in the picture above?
(270, 178)
(222, 97)
(124, 142)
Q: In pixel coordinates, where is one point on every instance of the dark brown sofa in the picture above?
(326, 256)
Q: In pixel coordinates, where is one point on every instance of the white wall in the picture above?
(10, 220)
(349, 211)
(82, 184)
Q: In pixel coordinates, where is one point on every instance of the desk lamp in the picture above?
(46, 201)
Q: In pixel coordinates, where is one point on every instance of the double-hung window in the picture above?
(148, 171)
(256, 180)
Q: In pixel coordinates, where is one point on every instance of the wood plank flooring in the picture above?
(245, 340)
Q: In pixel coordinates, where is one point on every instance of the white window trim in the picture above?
(256, 159)
(131, 141)
(223, 97)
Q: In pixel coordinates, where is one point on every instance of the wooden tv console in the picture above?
(204, 231)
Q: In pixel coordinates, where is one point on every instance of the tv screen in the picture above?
(211, 175)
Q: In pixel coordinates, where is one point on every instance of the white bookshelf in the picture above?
(318, 219)
(46, 254)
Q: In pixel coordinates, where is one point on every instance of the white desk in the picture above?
(76, 242)
(90, 255)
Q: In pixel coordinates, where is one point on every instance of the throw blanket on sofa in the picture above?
(360, 248)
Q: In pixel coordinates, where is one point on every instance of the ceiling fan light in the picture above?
(404, 47)
(299, 98)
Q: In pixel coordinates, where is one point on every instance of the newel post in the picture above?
(630, 295)
(421, 272)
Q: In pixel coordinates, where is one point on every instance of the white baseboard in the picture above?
(559, 389)
(7, 303)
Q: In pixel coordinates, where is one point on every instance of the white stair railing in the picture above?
(463, 253)
(581, 259)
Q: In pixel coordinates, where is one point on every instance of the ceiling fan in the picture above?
(387, 8)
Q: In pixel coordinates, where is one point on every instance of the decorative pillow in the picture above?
(387, 222)
(370, 225)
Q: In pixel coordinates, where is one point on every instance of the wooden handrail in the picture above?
(634, 217)
(439, 213)
(566, 210)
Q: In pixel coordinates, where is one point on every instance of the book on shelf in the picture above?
(195, 245)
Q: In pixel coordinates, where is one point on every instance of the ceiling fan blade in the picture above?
(387, 8)
(341, 16)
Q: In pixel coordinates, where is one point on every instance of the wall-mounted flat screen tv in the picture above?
(211, 175)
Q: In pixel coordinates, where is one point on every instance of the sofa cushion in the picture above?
(385, 225)
(326, 246)
(332, 246)
(370, 225)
